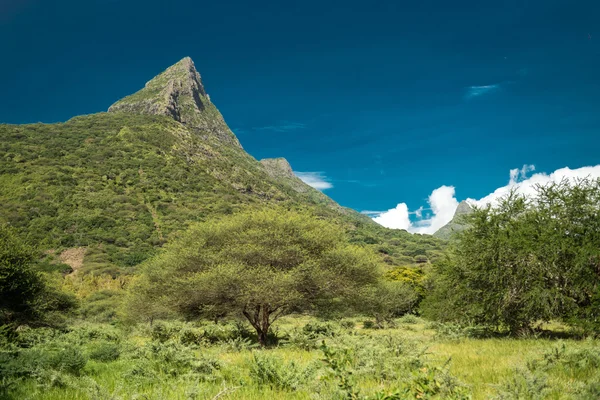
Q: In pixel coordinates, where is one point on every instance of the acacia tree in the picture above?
(259, 265)
(527, 259)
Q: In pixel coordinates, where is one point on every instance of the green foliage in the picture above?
(271, 371)
(527, 260)
(25, 295)
(20, 286)
(532, 383)
(105, 352)
(346, 364)
(387, 300)
(259, 265)
(123, 184)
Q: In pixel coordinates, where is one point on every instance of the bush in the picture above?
(190, 337)
(70, 360)
(347, 324)
(316, 329)
(105, 352)
(162, 332)
(369, 324)
(409, 319)
(271, 371)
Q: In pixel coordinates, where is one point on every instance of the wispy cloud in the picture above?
(315, 179)
(285, 126)
(476, 91)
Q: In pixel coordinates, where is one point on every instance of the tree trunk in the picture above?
(259, 320)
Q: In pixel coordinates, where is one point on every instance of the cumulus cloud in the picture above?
(526, 186)
(443, 202)
(314, 179)
(476, 91)
(396, 218)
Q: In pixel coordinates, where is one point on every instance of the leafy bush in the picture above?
(369, 324)
(347, 324)
(317, 329)
(105, 352)
(191, 336)
(70, 360)
(162, 332)
(271, 371)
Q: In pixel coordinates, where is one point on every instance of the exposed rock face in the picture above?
(457, 223)
(463, 209)
(178, 93)
(280, 168)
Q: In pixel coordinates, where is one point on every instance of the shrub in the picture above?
(271, 371)
(524, 385)
(162, 332)
(369, 324)
(70, 360)
(316, 329)
(105, 352)
(347, 324)
(409, 319)
(190, 337)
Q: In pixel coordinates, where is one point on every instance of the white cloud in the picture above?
(314, 179)
(443, 200)
(520, 174)
(443, 204)
(526, 186)
(476, 91)
(396, 218)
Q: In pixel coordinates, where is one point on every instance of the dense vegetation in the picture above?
(528, 260)
(121, 184)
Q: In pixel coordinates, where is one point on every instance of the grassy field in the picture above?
(313, 360)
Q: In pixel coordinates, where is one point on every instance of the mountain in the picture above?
(113, 187)
(457, 223)
(178, 93)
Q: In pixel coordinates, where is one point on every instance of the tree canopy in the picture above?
(259, 265)
(528, 259)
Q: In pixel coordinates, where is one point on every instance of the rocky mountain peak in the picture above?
(178, 93)
(457, 223)
(463, 208)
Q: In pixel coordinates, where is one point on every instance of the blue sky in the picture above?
(385, 100)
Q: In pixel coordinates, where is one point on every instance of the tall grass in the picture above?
(313, 360)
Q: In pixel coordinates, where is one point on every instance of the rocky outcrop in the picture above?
(280, 169)
(457, 223)
(179, 93)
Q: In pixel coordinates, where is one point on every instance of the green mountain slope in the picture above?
(121, 183)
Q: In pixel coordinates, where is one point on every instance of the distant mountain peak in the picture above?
(463, 208)
(457, 223)
(178, 93)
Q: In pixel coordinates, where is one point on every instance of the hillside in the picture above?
(119, 184)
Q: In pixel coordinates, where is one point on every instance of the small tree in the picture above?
(258, 265)
(387, 300)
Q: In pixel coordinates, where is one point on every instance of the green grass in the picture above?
(380, 361)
